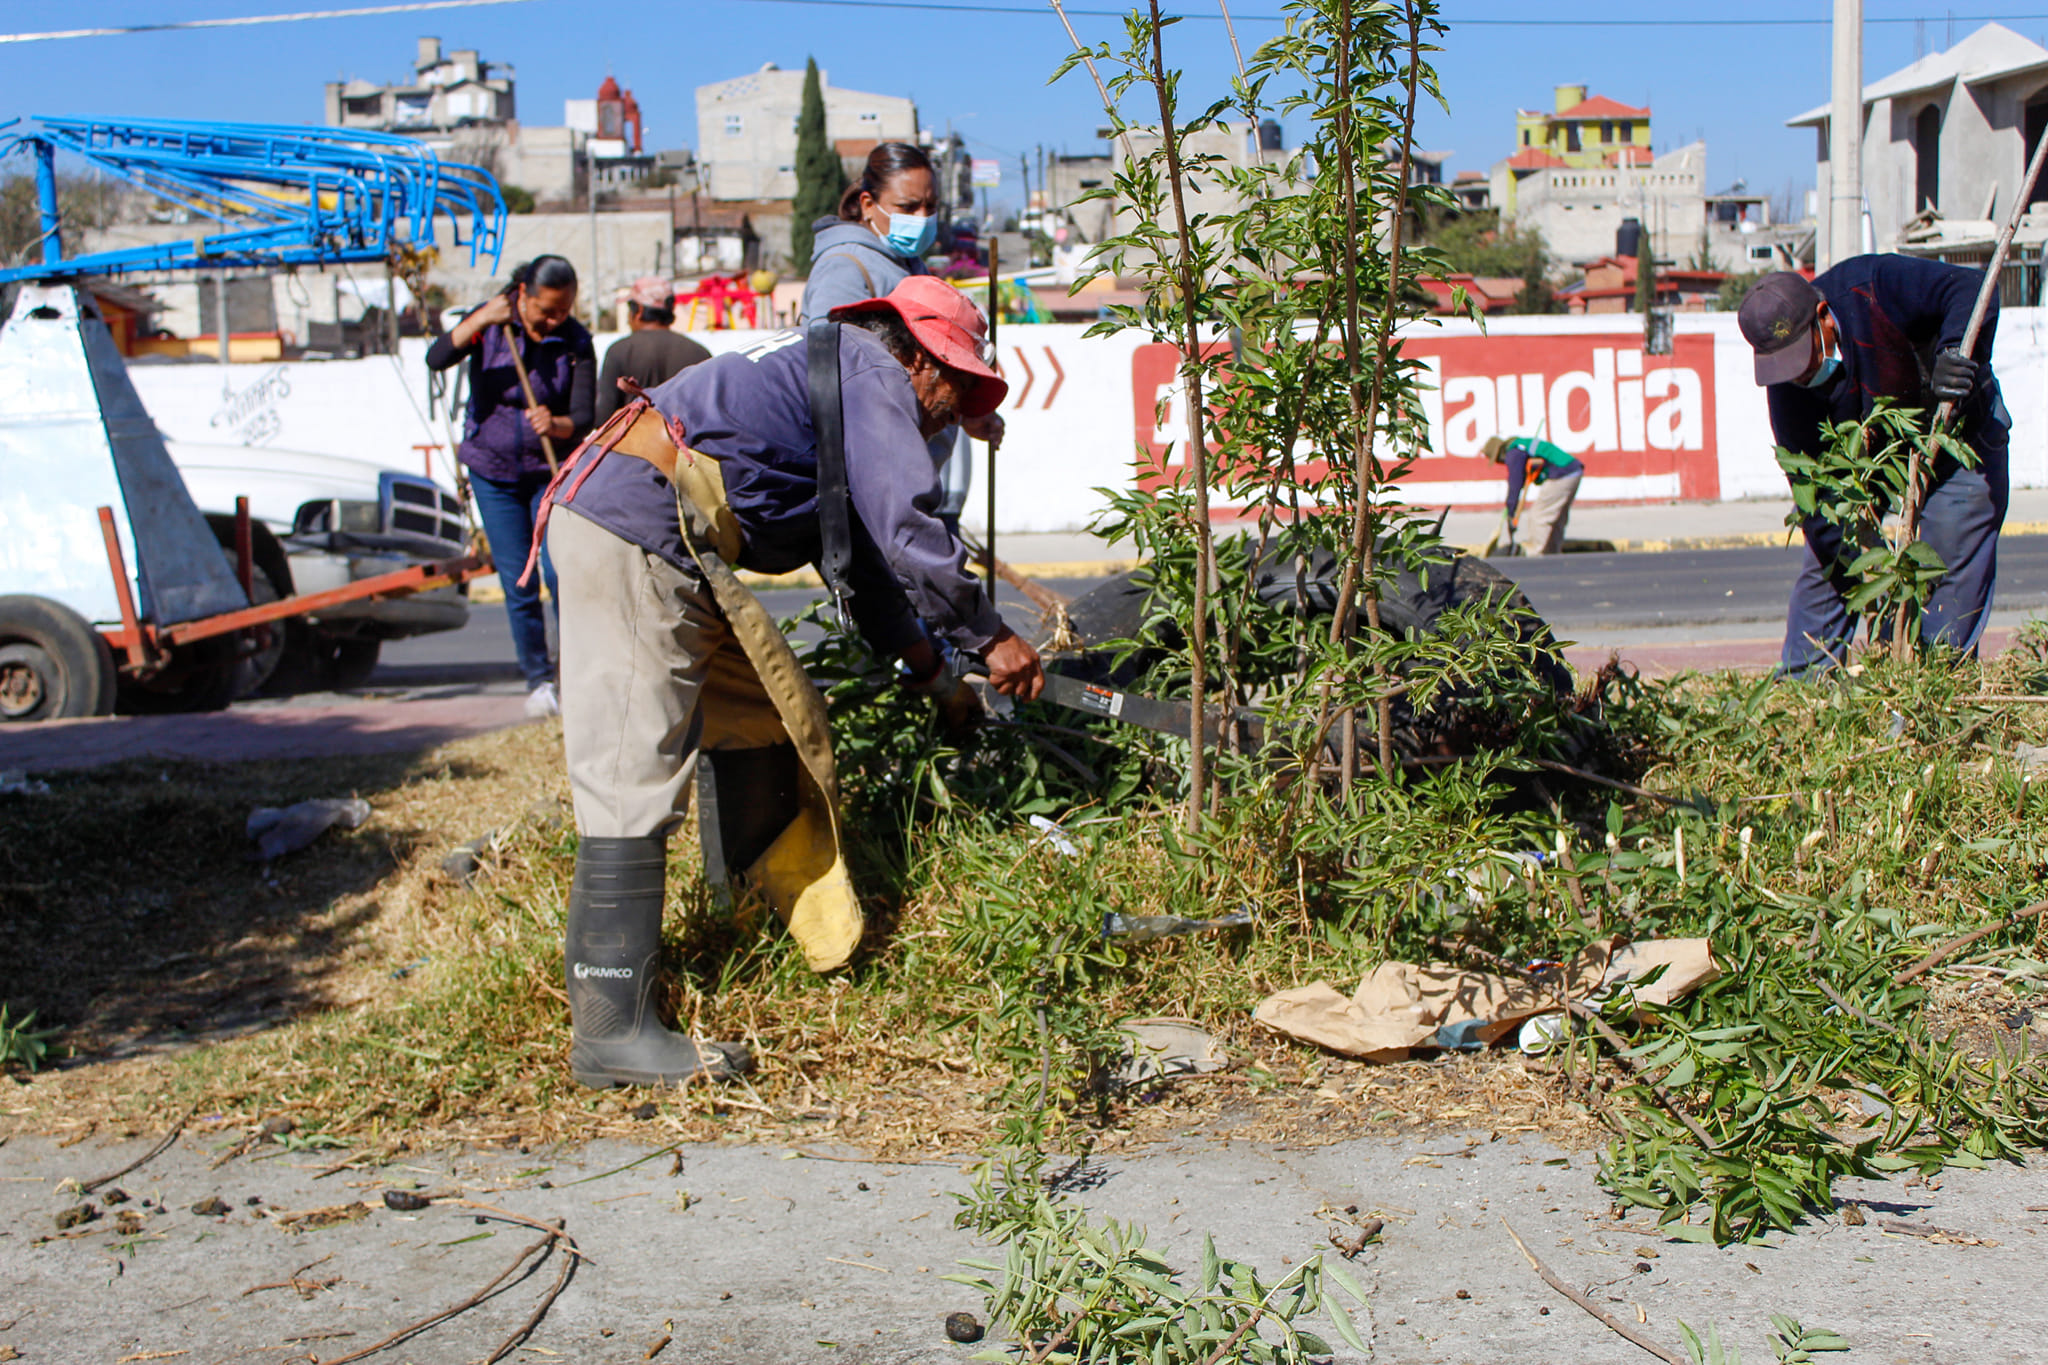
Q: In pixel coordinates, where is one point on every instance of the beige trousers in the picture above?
(642, 640)
(1539, 530)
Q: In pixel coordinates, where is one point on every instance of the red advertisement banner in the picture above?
(1642, 425)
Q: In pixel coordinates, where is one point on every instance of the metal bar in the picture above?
(398, 583)
(132, 640)
(348, 193)
(1915, 495)
(995, 311)
(46, 204)
(245, 550)
(245, 563)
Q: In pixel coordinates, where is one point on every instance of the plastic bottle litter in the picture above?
(286, 830)
(1145, 928)
(1055, 836)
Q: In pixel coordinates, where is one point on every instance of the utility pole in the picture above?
(220, 300)
(590, 159)
(1845, 138)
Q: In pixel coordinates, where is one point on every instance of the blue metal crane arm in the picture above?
(280, 195)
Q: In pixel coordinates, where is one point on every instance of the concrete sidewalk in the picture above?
(750, 1255)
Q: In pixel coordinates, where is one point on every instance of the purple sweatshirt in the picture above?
(497, 441)
(750, 410)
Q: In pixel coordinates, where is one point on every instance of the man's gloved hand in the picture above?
(1955, 376)
(958, 706)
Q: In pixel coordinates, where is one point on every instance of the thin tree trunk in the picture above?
(1365, 422)
(1198, 450)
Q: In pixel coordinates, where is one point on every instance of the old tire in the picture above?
(199, 677)
(350, 660)
(1410, 602)
(53, 664)
(254, 669)
(273, 574)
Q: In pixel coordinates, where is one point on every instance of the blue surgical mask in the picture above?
(911, 234)
(1825, 375)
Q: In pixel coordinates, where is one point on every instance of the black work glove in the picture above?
(1955, 376)
(958, 705)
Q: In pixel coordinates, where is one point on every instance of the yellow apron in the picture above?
(756, 696)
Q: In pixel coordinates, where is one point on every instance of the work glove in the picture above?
(958, 706)
(1955, 376)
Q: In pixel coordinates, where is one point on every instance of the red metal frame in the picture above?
(143, 643)
(132, 639)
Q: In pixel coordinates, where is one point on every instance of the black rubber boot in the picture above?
(611, 960)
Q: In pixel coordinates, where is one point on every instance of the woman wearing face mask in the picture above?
(887, 221)
(501, 433)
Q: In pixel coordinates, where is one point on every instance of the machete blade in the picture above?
(1147, 713)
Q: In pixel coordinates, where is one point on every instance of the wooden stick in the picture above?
(1613, 1323)
(1230, 1342)
(1956, 945)
(1947, 409)
(1584, 776)
(547, 1301)
(553, 1226)
(547, 445)
(434, 1319)
(152, 1154)
(1620, 1046)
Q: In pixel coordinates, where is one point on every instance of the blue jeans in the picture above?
(1964, 511)
(507, 508)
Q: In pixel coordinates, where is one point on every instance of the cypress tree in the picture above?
(820, 179)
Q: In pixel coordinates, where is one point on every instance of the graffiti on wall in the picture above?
(250, 415)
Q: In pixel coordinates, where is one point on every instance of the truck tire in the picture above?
(351, 660)
(255, 670)
(199, 677)
(53, 664)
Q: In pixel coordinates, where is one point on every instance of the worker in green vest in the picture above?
(1535, 525)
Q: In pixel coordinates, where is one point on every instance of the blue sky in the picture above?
(1734, 85)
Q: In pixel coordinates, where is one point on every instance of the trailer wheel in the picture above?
(273, 582)
(53, 664)
(351, 659)
(254, 670)
(199, 677)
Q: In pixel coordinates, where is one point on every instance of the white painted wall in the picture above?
(1083, 410)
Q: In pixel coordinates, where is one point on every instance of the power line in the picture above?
(946, 7)
(248, 20)
(943, 6)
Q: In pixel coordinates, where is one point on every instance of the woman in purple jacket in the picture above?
(501, 434)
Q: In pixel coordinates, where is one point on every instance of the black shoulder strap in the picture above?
(835, 514)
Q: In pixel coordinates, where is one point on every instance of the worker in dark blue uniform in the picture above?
(1885, 326)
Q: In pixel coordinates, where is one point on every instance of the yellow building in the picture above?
(1585, 133)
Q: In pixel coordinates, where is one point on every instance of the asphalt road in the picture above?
(1579, 594)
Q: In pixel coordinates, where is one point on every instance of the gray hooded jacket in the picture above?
(848, 264)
